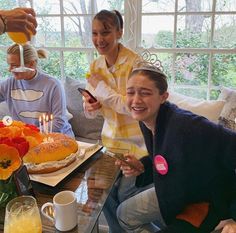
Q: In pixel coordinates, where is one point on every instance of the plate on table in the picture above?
(53, 178)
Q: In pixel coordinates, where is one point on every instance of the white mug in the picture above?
(64, 210)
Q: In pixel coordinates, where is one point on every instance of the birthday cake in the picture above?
(55, 152)
(40, 152)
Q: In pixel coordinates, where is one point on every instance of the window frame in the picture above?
(133, 35)
(135, 41)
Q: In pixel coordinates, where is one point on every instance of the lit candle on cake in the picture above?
(51, 122)
(40, 124)
(46, 123)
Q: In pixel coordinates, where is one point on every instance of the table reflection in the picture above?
(91, 182)
(91, 188)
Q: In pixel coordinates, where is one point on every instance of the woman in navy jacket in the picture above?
(191, 160)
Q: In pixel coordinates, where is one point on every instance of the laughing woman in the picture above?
(191, 162)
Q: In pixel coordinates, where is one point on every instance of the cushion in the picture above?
(228, 114)
(210, 109)
(82, 127)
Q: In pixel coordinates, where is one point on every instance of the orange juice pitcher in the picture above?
(18, 37)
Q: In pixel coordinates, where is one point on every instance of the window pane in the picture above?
(224, 70)
(76, 65)
(4, 73)
(5, 40)
(47, 7)
(158, 6)
(194, 5)
(192, 69)
(229, 5)
(192, 92)
(78, 31)
(51, 65)
(48, 32)
(5, 5)
(111, 5)
(225, 31)
(166, 63)
(157, 31)
(214, 94)
(77, 7)
(193, 31)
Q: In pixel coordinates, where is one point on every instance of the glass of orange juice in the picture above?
(22, 216)
(20, 38)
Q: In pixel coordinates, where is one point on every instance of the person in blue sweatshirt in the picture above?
(31, 94)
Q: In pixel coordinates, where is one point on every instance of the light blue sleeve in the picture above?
(3, 88)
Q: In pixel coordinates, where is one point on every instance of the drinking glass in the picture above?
(22, 216)
(20, 38)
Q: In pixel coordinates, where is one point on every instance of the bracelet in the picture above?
(4, 23)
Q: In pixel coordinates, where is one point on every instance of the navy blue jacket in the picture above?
(202, 159)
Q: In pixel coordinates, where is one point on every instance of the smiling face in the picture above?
(144, 99)
(105, 39)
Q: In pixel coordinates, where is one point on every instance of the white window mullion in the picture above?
(138, 29)
(173, 70)
(209, 78)
(62, 41)
(128, 26)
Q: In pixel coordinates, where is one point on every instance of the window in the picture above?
(195, 40)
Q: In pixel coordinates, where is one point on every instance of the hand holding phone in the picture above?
(86, 93)
(121, 157)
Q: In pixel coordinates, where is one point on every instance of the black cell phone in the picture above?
(121, 157)
(22, 181)
(84, 92)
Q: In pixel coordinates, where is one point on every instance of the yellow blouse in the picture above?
(119, 129)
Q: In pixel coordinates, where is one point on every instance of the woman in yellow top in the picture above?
(107, 82)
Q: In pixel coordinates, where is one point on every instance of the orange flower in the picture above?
(19, 129)
(10, 161)
(10, 131)
(19, 124)
(27, 131)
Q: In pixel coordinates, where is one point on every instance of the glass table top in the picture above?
(91, 183)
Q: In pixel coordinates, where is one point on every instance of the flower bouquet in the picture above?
(15, 141)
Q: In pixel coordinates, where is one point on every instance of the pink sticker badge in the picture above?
(160, 164)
